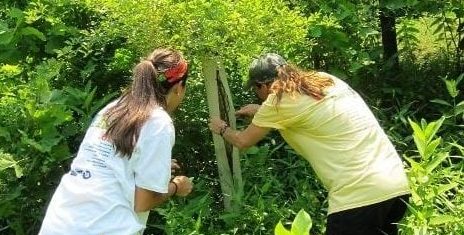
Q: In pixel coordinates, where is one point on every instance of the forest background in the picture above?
(63, 60)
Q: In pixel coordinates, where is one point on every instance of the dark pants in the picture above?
(375, 219)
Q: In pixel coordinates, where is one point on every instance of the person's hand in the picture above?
(216, 125)
(174, 166)
(248, 110)
(184, 185)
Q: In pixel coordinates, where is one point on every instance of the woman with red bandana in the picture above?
(123, 166)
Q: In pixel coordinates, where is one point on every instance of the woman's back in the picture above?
(343, 142)
(97, 195)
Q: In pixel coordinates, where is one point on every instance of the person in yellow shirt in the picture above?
(330, 126)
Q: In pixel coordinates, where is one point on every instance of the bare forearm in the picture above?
(240, 139)
(236, 138)
(162, 198)
(148, 200)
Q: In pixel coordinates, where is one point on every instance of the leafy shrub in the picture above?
(41, 119)
(436, 182)
(61, 60)
(300, 226)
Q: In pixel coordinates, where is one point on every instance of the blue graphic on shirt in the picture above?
(77, 171)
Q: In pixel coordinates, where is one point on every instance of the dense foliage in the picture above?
(62, 60)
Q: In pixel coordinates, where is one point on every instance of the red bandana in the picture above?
(175, 73)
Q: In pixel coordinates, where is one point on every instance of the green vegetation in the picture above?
(62, 60)
(300, 226)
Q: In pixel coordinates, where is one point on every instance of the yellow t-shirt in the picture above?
(342, 140)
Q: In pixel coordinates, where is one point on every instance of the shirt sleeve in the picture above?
(152, 158)
(268, 115)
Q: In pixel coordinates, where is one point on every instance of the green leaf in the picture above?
(88, 70)
(315, 32)
(432, 128)
(431, 147)
(397, 4)
(198, 222)
(5, 133)
(436, 21)
(44, 145)
(440, 28)
(439, 101)
(459, 108)
(31, 31)
(412, 31)
(420, 145)
(417, 130)
(417, 200)
(16, 13)
(422, 230)
(98, 104)
(3, 27)
(53, 44)
(419, 138)
(7, 161)
(280, 230)
(460, 77)
(18, 171)
(6, 37)
(413, 163)
(451, 87)
(88, 100)
(411, 208)
(436, 162)
(446, 188)
(443, 219)
(302, 223)
(252, 150)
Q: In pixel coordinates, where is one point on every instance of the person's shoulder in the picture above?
(108, 106)
(338, 82)
(159, 112)
(272, 101)
(325, 74)
(157, 127)
(159, 117)
(328, 75)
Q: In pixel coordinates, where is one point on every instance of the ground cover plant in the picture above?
(62, 60)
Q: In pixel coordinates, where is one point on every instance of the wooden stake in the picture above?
(228, 157)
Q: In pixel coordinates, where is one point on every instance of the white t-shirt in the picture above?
(97, 195)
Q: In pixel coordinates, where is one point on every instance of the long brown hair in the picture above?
(149, 88)
(293, 80)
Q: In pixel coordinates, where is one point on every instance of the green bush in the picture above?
(61, 60)
(437, 184)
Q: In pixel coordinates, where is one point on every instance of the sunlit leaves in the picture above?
(300, 226)
(232, 30)
(434, 180)
(7, 161)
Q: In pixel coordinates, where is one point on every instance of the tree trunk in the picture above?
(389, 43)
(460, 47)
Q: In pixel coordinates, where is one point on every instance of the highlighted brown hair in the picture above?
(293, 80)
